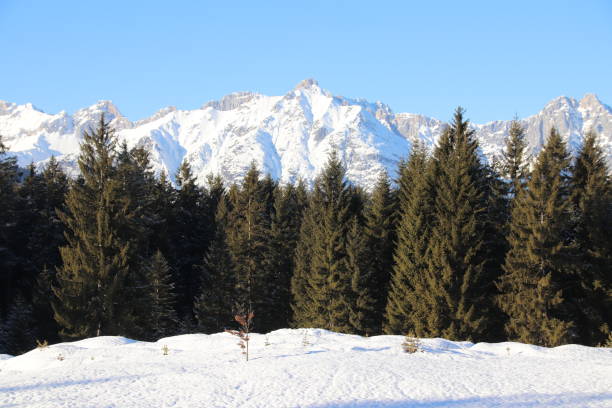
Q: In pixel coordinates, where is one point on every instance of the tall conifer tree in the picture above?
(161, 298)
(214, 306)
(323, 290)
(415, 207)
(514, 158)
(248, 232)
(9, 202)
(454, 303)
(535, 266)
(379, 225)
(187, 239)
(91, 282)
(590, 291)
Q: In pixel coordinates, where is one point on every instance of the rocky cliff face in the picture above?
(287, 136)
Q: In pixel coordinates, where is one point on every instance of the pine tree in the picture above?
(534, 269)
(9, 202)
(454, 303)
(323, 291)
(163, 206)
(379, 246)
(91, 282)
(363, 316)
(300, 293)
(247, 235)
(214, 306)
(42, 193)
(17, 333)
(415, 207)
(279, 257)
(162, 320)
(590, 291)
(187, 239)
(514, 158)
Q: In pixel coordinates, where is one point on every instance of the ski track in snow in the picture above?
(333, 371)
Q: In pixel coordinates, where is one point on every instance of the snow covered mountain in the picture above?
(288, 136)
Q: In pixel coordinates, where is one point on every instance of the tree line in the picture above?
(518, 249)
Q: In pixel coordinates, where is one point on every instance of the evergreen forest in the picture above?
(519, 249)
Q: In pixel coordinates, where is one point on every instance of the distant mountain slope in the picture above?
(288, 136)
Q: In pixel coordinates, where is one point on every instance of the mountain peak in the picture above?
(307, 84)
(107, 107)
(590, 99)
(230, 101)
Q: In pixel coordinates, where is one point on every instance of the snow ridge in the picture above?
(305, 368)
(288, 136)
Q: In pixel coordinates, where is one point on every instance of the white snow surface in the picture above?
(328, 370)
(288, 136)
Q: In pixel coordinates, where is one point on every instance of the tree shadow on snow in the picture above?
(69, 383)
(565, 400)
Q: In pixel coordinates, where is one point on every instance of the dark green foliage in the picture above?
(364, 316)
(91, 283)
(590, 290)
(162, 205)
(17, 330)
(379, 226)
(323, 290)
(214, 306)
(42, 298)
(283, 238)
(9, 203)
(514, 159)
(415, 208)
(247, 237)
(187, 238)
(161, 320)
(535, 269)
(453, 304)
(86, 255)
(301, 270)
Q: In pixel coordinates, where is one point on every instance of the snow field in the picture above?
(316, 369)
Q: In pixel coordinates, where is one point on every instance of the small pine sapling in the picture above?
(246, 322)
(608, 342)
(41, 344)
(411, 344)
(305, 341)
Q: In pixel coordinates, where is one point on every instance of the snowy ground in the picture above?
(332, 370)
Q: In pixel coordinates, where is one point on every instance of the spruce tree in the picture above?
(17, 330)
(379, 231)
(161, 317)
(323, 291)
(248, 232)
(9, 202)
(163, 206)
(90, 287)
(403, 311)
(279, 257)
(514, 158)
(363, 313)
(535, 266)
(214, 306)
(453, 304)
(300, 293)
(590, 290)
(187, 238)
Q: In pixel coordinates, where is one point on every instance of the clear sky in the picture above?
(495, 58)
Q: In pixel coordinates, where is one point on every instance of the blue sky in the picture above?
(496, 59)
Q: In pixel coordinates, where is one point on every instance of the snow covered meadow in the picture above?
(304, 368)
